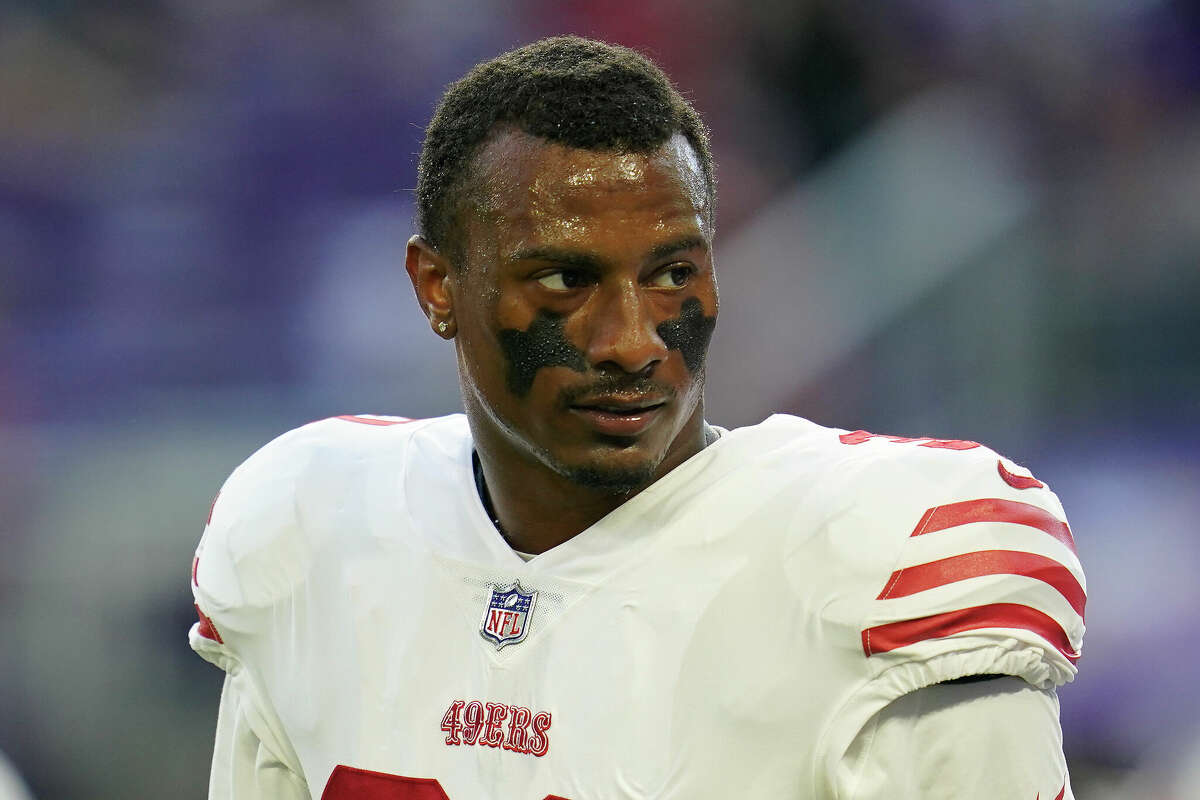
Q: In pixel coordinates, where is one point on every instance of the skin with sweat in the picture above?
(581, 316)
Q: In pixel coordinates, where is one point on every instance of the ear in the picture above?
(429, 272)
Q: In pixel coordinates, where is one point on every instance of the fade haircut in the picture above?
(575, 92)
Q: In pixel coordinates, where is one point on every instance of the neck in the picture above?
(536, 508)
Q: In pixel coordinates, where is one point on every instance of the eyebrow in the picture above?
(689, 242)
(558, 255)
(583, 260)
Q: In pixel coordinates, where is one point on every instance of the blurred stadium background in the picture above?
(963, 219)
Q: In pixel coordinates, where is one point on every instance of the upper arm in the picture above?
(993, 739)
(244, 767)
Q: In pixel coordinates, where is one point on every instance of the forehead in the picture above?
(525, 182)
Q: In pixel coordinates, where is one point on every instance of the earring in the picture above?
(443, 327)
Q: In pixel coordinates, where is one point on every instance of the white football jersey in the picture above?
(725, 633)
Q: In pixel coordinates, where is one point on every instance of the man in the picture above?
(580, 589)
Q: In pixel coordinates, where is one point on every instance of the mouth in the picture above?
(619, 416)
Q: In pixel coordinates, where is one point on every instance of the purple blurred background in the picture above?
(967, 220)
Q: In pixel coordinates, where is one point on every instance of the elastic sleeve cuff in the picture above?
(211, 651)
(978, 655)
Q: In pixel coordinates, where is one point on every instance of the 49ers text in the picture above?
(498, 725)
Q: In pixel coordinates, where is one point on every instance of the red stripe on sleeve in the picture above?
(892, 635)
(207, 629)
(1018, 481)
(1061, 792)
(371, 421)
(992, 509)
(910, 580)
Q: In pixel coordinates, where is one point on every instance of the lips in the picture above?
(618, 416)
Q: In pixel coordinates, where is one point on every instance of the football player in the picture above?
(581, 589)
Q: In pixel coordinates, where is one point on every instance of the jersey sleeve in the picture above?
(998, 739)
(244, 766)
(958, 563)
(986, 580)
(251, 555)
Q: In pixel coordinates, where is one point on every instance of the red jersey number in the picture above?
(351, 783)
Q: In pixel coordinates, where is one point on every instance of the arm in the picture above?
(989, 739)
(248, 558)
(243, 768)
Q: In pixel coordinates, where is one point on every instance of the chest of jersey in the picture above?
(676, 659)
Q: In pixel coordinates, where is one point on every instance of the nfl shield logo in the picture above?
(506, 617)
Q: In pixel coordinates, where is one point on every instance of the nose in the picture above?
(622, 331)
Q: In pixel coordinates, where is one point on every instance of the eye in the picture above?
(562, 280)
(672, 277)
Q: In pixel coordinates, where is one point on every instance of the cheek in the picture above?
(480, 361)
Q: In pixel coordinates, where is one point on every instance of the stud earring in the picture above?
(443, 327)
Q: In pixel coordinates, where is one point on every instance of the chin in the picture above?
(616, 468)
(610, 479)
(610, 464)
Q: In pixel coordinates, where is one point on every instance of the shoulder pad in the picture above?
(256, 545)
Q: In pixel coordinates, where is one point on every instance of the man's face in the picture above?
(584, 307)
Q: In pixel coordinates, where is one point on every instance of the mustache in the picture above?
(606, 384)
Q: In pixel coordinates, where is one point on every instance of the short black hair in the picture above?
(576, 92)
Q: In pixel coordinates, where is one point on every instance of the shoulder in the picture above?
(948, 560)
(265, 524)
(985, 576)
